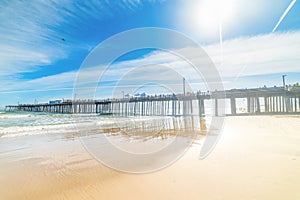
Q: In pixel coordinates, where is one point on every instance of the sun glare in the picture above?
(206, 16)
(213, 12)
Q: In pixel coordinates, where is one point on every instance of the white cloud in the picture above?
(258, 55)
(246, 56)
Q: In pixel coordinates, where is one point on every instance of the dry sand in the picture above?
(257, 157)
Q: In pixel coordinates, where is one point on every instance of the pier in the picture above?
(275, 100)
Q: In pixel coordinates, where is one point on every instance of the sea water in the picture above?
(31, 123)
(14, 124)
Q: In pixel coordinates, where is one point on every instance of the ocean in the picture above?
(13, 124)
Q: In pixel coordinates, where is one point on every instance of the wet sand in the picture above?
(257, 157)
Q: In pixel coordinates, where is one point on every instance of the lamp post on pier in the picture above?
(283, 80)
(183, 86)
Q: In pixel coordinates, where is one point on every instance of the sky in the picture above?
(44, 44)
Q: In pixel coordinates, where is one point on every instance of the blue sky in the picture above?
(35, 63)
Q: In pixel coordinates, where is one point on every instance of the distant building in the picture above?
(144, 94)
(55, 101)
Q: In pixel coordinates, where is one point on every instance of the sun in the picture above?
(214, 11)
(206, 16)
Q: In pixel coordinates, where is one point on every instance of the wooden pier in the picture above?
(276, 100)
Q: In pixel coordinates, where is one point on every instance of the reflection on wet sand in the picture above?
(147, 128)
(143, 144)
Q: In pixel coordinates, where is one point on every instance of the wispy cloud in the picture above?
(31, 31)
(248, 56)
(25, 36)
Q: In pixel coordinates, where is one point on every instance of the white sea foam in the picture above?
(10, 116)
(15, 131)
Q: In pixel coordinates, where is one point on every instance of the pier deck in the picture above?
(276, 100)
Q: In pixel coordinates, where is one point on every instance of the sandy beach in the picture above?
(257, 157)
